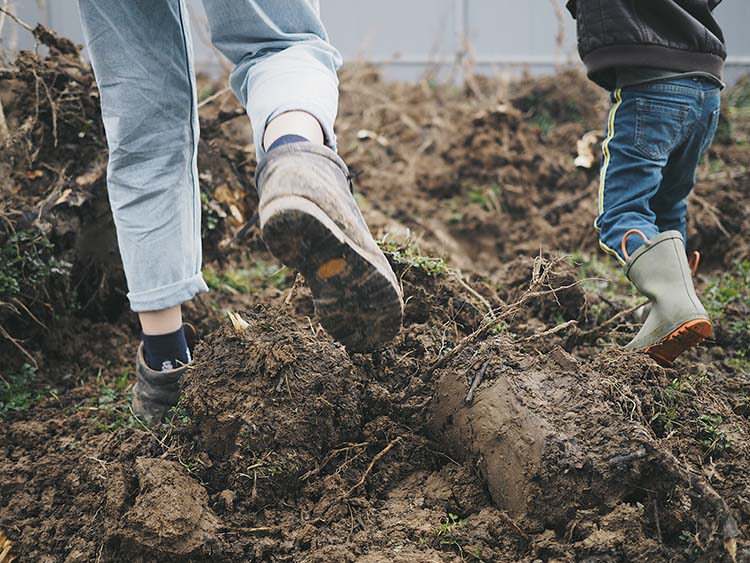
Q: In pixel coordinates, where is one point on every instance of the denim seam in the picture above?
(605, 167)
(713, 125)
(194, 147)
(661, 87)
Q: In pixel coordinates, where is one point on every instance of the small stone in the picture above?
(226, 500)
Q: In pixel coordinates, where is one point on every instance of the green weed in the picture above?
(408, 255)
(113, 403)
(447, 536)
(488, 198)
(17, 392)
(211, 214)
(726, 300)
(668, 404)
(259, 275)
(713, 439)
(670, 401)
(733, 287)
(735, 114)
(27, 264)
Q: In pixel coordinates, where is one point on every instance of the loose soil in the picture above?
(504, 424)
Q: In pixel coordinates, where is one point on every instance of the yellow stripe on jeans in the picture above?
(605, 167)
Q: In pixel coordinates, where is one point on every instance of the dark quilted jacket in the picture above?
(679, 35)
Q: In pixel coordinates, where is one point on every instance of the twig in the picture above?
(461, 346)
(333, 453)
(702, 492)
(617, 317)
(165, 447)
(258, 530)
(15, 343)
(214, 96)
(367, 472)
(512, 523)
(16, 19)
(477, 380)
(2, 16)
(30, 314)
(553, 330)
(501, 314)
(4, 133)
(656, 520)
(458, 275)
(298, 281)
(627, 458)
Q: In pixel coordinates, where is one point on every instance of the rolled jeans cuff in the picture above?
(167, 296)
(271, 97)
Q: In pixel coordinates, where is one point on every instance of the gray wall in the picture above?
(411, 36)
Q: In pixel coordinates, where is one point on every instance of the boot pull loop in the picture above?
(694, 261)
(625, 240)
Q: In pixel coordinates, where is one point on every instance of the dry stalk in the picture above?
(622, 314)
(4, 133)
(458, 275)
(539, 279)
(554, 330)
(367, 472)
(702, 492)
(214, 96)
(5, 11)
(4, 333)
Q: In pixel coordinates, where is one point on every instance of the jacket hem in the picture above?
(649, 56)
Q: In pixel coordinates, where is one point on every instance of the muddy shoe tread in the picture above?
(355, 302)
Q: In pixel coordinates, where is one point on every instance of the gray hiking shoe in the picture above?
(155, 392)
(676, 321)
(310, 221)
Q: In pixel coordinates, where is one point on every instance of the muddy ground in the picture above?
(504, 424)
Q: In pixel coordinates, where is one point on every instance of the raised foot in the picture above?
(688, 336)
(356, 296)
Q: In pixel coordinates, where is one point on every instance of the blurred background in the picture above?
(411, 37)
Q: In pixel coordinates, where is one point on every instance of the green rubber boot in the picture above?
(677, 321)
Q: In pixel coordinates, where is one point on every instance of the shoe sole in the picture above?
(354, 298)
(687, 336)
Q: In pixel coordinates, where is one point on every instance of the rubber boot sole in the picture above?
(354, 298)
(688, 336)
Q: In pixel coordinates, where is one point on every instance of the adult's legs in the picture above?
(285, 76)
(142, 57)
(285, 67)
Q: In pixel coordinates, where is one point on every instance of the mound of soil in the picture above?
(501, 425)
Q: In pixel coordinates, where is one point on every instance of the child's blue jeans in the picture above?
(143, 60)
(656, 135)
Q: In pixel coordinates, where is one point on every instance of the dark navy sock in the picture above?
(166, 351)
(287, 140)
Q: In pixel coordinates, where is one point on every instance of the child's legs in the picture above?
(284, 63)
(141, 53)
(669, 203)
(628, 180)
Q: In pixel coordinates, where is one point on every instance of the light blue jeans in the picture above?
(143, 60)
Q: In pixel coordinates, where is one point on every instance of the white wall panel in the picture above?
(412, 35)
